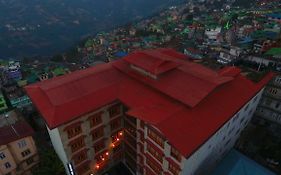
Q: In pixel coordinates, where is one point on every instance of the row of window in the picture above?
(155, 137)
(78, 144)
(154, 153)
(80, 157)
(96, 120)
(153, 166)
(25, 153)
(173, 169)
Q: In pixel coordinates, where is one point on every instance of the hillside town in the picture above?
(219, 54)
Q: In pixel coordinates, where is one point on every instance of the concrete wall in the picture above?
(58, 146)
(17, 150)
(8, 158)
(213, 150)
(270, 105)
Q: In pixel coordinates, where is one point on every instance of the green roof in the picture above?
(59, 71)
(32, 78)
(274, 51)
(89, 43)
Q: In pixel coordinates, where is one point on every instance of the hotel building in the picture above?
(155, 111)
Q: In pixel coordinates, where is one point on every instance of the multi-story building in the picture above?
(18, 153)
(155, 111)
(3, 104)
(16, 96)
(270, 105)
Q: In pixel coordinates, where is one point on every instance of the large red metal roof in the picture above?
(187, 101)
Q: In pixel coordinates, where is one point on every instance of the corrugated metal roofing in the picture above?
(180, 102)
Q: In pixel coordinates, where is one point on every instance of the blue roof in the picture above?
(120, 54)
(236, 163)
(274, 15)
(246, 40)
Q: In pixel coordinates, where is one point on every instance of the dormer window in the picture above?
(143, 72)
(151, 64)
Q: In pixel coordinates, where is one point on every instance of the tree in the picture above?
(49, 164)
(57, 58)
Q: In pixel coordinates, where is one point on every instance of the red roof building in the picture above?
(18, 152)
(186, 102)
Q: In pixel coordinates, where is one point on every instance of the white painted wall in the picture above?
(209, 154)
(58, 146)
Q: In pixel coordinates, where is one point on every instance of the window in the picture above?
(115, 124)
(8, 165)
(83, 169)
(21, 143)
(173, 169)
(78, 144)
(116, 149)
(129, 128)
(273, 91)
(278, 80)
(156, 138)
(96, 119)
(74, 131)
(114, 110)
(97, 133)
(99, 146)
(155, 168)
(29, 161)
(132, 120)
(2, 155)
(80, 157)
(25, 153)
(155, 153)
(175, 154)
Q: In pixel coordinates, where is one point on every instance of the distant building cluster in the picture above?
(125, 99)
